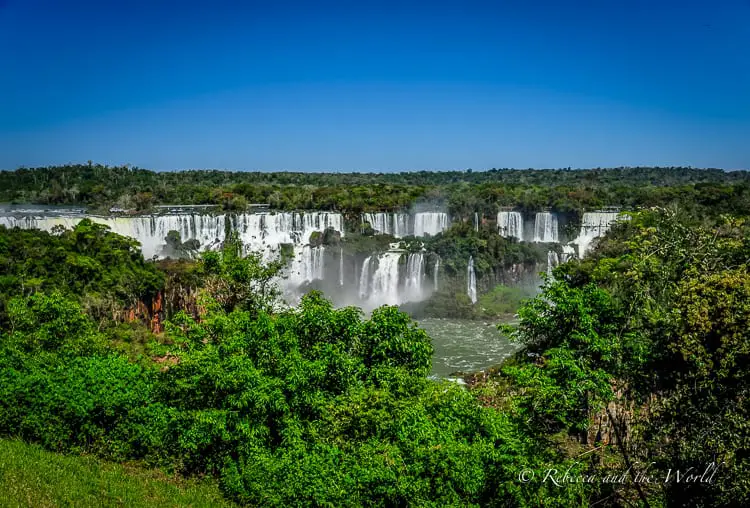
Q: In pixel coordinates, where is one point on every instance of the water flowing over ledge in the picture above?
(400, 225)
(545, 228)
(471, 278)
(367, 279)
(594, 225)
(510, 225)
(264, 232)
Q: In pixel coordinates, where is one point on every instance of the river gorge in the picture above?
(391, 273)
(330, 256)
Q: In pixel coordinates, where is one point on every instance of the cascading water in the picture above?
(414, 276)
(388, 278)
(476, 221)
(471, 281)
(42, 223)
(385, 279)
(266, 232)
(552, 261)
(593, 225)
(261, 232)
(430, 223)
(435, 273)
(396, 224)
(545, 228)
(149, 230)
(364, 279)
(377, 221)
(308, 265)
(400, 225)
(568, 253)
(510, 225)
(319, 221)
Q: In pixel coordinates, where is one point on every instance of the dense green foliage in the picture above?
(310, 405)
(654, 328)
(464, 192)
(102, 270)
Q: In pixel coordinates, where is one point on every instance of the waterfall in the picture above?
(149, 230)
(414, 276)
(341, 266)
(308, 264)
(568, 253)
(472, 281)
(266, 232)
(42, 223)
(510, 225)
(400, 225)
(552, 261)
(545, 228)
(593, 225)
(430, 223)
(263, 232)
(364, 279)
(476, 221)
(377, 221)
(385, 279)
(435, 273)
(396, 224)
(382, 285)
(319, 221)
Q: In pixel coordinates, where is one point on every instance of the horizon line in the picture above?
(374, 171)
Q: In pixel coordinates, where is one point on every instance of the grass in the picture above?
(31, 476)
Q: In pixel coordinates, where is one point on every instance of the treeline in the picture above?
(463, 192)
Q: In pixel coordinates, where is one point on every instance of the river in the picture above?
(466, 346)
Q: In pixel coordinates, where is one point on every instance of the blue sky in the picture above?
(375, 85)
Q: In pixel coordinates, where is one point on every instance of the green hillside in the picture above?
(31, 476)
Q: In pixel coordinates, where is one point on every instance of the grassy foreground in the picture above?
(32, 476)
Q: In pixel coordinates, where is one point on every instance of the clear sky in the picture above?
(385, 85)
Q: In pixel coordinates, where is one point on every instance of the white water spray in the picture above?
(341, 266)
(593, 225)
(395, 224)
(472, 281)
(510, 225)
(385, 279)
(545, 228)
(414, 276)
(435, 274)
(430, 223)
(364, 279)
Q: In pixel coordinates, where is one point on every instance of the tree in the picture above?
(237, 281)
(655, 318)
